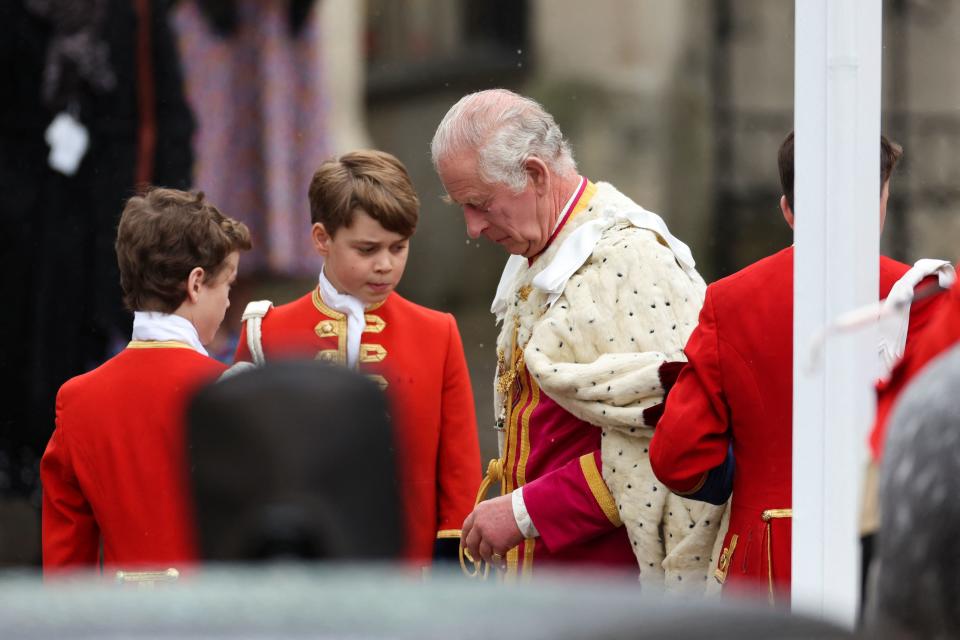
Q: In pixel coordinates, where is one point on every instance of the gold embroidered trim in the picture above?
(380, 380)
(525, 428)
(147, 578)
(158, 344)
(528, 545)
(723, 566)
(327, 328)
(524, 292)
(323, 308)
(507, 376)
(339, 321)
(696, 488)
(448, 533)
(601, 493)
(773, 514)
(327, 355)
(528, 548)
(767, 516)
(375, 324)
(372, 353)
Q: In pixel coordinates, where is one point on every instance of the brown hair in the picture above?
(890, 153)
(163, 235)
(372, 181)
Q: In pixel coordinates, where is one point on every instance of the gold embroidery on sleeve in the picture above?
(598, 487)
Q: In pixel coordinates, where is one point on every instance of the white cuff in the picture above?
(524, 523)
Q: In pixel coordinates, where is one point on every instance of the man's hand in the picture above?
(491, 530)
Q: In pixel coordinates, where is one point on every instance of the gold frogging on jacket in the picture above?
(723, 566)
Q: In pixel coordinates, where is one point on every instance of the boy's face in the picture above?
(364, 260)
(214, 299)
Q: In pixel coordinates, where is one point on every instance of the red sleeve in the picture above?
(693, 436)
(70, 534)
(242, 353)
(572, 504)
(458, 467)
(923, 310)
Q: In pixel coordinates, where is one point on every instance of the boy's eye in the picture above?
(367, 250)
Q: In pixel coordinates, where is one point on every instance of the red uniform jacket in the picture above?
(942, 332)
(115, 467)
(738, 387)
(415, 353)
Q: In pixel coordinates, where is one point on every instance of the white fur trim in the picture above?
(580, 245)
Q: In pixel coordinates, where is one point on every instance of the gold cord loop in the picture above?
(479, 568)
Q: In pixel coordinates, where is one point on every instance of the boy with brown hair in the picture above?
(363, 210)
(114, 473)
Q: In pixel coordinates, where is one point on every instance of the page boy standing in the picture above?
(363, 210)
(114, 473)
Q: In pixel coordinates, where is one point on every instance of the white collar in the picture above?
(157, 326)
(350, 306)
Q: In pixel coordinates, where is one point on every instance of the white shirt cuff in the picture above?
(524, 523)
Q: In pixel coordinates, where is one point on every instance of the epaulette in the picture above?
(253, 317)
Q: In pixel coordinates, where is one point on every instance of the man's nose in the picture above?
(475, 222)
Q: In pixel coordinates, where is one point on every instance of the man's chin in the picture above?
(516, 248)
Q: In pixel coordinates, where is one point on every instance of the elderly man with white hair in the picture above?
(596, 304)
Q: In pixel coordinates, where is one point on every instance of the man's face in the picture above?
(364, 259)
(516, 221)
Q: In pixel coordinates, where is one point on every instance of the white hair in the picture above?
(504, 129)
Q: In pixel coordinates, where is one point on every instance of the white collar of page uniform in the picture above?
(351, 307)
(155, 326)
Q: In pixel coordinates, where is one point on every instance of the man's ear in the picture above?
(321, 239)
(194, 281)
(537, 173)
(786, 211)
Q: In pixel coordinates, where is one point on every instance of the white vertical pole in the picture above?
(837, 187)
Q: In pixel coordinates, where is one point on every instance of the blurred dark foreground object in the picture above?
(916, 591)
(365, 602)
(294, 460)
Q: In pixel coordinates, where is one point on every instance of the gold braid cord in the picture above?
(767, 516)
(479, 568)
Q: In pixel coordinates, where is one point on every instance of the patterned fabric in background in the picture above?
(259, 99)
